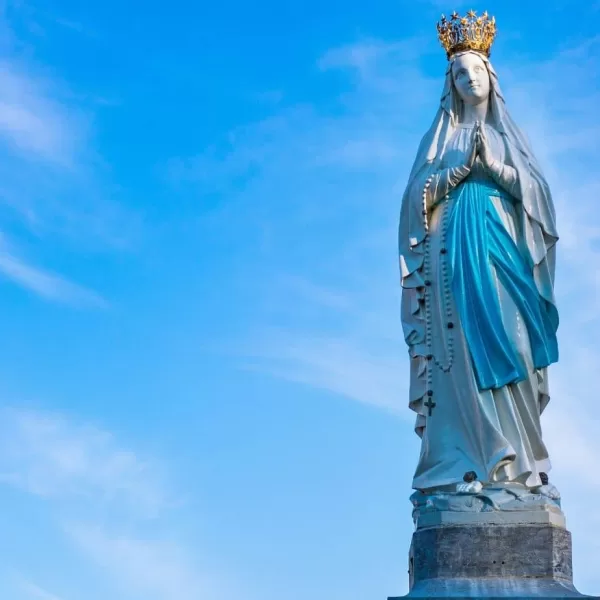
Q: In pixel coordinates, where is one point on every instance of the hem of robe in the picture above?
(541, 466)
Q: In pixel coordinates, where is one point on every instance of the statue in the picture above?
(477, 240)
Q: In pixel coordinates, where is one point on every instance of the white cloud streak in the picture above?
(363, 55)
(52, 178)
(49, 456)
(348, 366)
(105, 498)
(149, 568)
(37, 126)
(47, 285)
(35, 592)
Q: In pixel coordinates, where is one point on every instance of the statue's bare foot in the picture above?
(550, 491)
(547, 489)
(474, 487)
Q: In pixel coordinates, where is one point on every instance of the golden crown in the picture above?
(467, 33)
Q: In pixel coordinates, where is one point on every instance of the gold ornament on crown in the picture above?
(470, 32)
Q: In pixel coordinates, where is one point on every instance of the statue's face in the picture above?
(471, 78)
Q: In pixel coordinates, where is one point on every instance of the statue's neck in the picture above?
(474, 114)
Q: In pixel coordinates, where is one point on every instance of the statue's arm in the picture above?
(441, 183)
(506, 177)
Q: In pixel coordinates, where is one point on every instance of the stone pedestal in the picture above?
(487, 560)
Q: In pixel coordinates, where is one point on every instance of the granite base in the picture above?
(491, 561)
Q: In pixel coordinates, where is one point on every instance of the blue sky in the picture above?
(203, 377)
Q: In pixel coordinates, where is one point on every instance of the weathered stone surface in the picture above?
(487, 561)
(492, 551)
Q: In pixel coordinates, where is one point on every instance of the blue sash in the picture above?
(477, 240)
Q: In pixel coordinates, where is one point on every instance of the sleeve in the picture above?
(506, 177)
(440, 183)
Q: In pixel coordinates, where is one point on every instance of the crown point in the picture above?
(471, 14)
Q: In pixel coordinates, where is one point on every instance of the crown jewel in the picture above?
(470, 32)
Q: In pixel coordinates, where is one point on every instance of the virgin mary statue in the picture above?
(477, 243)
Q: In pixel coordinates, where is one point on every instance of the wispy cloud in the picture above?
(111, 505)
(347, 365)
(51, 175)
(362, 132)
(50, 456)
(367, 54)
(149, 568)
(32, 122)
(47, 285)
(55, 188)
(32, 591)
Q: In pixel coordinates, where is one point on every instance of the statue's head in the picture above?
(471, 77)
(471, 92)
(467, 41)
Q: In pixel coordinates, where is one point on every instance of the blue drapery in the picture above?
(477, 242)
